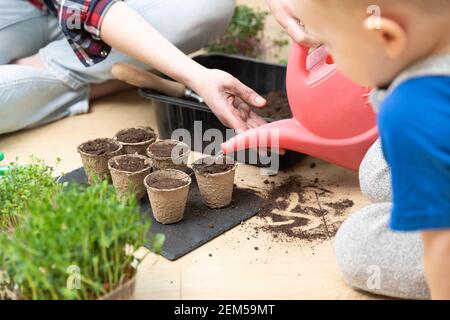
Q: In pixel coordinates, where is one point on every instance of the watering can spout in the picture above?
(273, 135)
(292, 135)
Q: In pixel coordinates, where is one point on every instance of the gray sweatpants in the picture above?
(30, 97)
(371, 256)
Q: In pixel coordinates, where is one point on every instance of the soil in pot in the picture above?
(168, 191)
(136, 140)
(168, 183)
(95, 155)
(215, 180)
(277, 107)
(128, 173)
(169, 154)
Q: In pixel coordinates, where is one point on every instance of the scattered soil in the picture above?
(99, 146)
(312, 165)
(164, 150)
(309, 219)
(297, 209)
(135, 135)
(206, 168)
(341, 206)
(168, 183)
(130, 164)
(277, 107)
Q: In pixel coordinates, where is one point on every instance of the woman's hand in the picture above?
(293, 26)
(229, 99)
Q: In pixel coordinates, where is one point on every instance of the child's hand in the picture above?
(293, 26)
(229, 99)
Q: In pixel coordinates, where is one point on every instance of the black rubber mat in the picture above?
(200, 224)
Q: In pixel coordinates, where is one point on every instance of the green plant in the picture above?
(21, 185)
(245, 35)
(83, 233)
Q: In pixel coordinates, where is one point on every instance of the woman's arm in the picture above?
(229, 99)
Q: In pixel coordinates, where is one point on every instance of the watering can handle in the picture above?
(300, 64)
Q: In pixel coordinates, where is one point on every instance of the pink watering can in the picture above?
(333, 119)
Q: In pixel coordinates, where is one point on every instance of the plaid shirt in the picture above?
(80, 21)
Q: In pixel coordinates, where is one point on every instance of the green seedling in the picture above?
(77, 245)
(19, 186)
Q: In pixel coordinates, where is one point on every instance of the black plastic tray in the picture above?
(175, 113)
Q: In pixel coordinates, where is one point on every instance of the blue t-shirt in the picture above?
(414, 124)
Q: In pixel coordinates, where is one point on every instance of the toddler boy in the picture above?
(402, 48)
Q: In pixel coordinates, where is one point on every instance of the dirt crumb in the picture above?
(341, 206)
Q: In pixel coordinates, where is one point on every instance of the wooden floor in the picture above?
(228, 267)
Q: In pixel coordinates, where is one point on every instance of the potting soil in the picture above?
(167, 183)
(311, 218)
(277, 106)
(207, 168)
(162, 150)
(99, 146)
(129, 164)
(135, 135)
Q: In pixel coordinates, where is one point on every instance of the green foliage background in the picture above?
(245, 35)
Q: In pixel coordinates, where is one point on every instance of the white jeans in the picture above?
(30, 97)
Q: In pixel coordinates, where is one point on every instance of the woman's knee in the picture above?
(31, 97)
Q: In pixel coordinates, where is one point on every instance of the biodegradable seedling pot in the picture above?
(136, 139)
(169, 154)
(128, 172)
(124, 292)
(95, 155)
(215, 179)
(168, 191)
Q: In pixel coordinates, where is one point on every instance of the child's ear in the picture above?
(389, 33)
